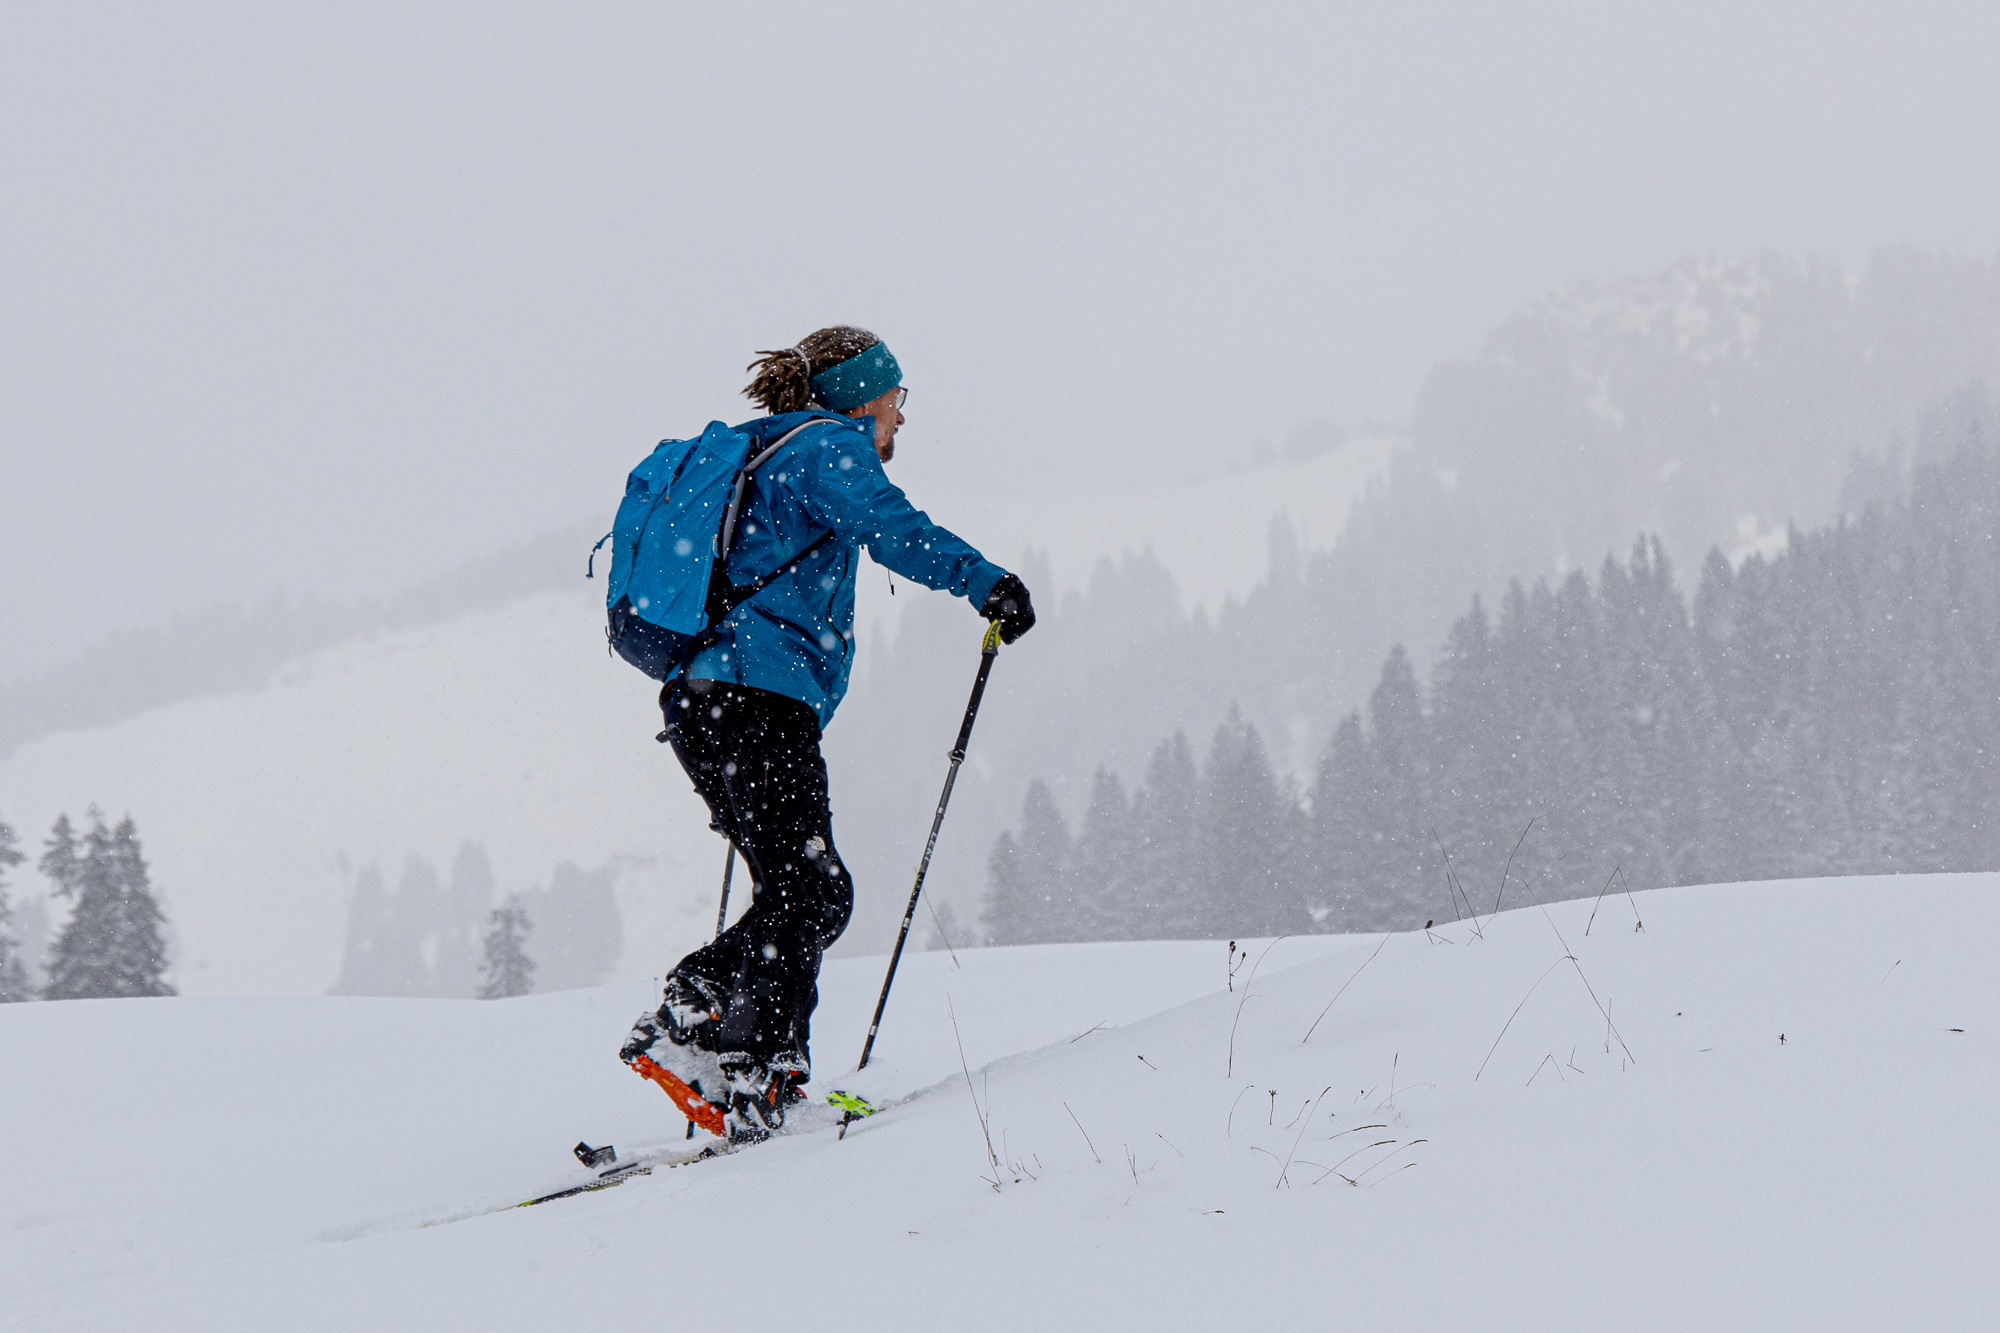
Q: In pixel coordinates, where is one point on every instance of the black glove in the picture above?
(1008, 603)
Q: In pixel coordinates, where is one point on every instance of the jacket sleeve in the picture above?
(845, 488)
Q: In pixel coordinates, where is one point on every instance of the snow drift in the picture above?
(1737, 1106)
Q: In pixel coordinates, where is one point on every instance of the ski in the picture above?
(615, 1172)
(642, 1165)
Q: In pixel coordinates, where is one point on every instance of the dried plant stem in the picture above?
(1335, 1168)
(938, 926)
(1230, 1071)
(1301, 1134)
(1086, 1136)
(1637, 923)
(1600, 899)
(1343, 990)
(992, 1158)
(1457, 889)
(1509, 866)
(1516, 1014)
(1450, 887)
(1571, 956)
(1229, 1125)
(1370, 1169)
(1356, 1130)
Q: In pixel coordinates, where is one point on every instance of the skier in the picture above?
(729, 1040)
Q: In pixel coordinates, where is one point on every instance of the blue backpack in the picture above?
(670, 585)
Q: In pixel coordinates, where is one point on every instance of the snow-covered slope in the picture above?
(512, 728)
(508, 727)
(1768, 1108)
(1209, 530)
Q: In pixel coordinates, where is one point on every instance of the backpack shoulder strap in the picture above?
(726, 537)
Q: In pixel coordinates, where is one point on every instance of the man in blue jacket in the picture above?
(729, 1041)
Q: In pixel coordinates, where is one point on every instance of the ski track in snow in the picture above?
(259, 1163)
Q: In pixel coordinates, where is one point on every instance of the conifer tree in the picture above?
(1334, 867)
(466, 907)
(1166, 821)
(1248, 832)
(13, 976)
(579, 934)
(1031, 894)
(366, 963)
(507, 971)
(1105, 863)
(1004, 914)
(112, 945)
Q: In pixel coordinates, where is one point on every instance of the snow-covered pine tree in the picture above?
(1030, 897)
(508, 971)
(1248, 831)
(370, 954)
(1106, 864)
(1166, 819)
(112, 945)
(466, 907)
(580, 934)
(13, 977)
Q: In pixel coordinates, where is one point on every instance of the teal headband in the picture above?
(857, 380)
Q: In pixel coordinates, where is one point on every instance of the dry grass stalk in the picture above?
(1385, 1157)
(1457, 888)
(1571, 956)
(1510, 865)
(1230, 1071)
(1637, 924)
(938, 926)
(1516, 1014)
(1086, 1137)
(1343, 990)
(1301, 1134)
(1229, 1125)
(1334, 1170)
(1600, 899)
(985, 1131)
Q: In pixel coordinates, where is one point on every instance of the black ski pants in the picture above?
(753, 755)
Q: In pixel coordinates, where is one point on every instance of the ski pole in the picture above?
(728, 869)
(989, 649)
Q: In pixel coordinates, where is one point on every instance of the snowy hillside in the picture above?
(1767, 1108)
(512, 728)
(507, 727)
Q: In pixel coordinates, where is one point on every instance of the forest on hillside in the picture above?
(1714, 403)
(1830, 710)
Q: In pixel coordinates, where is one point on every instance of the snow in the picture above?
(255, 1163)
(508, 727)
(1211, 532)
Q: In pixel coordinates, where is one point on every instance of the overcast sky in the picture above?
(333, 297)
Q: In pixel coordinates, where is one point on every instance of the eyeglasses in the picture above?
(902, 396)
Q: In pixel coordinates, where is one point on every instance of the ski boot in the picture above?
(792, 1071)
(759, 1092)
(684, 1067)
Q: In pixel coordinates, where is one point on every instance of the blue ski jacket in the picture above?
(796, 637)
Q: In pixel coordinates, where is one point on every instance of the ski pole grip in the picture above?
(989, 649)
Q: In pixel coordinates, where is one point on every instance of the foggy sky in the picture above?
(333, 300)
